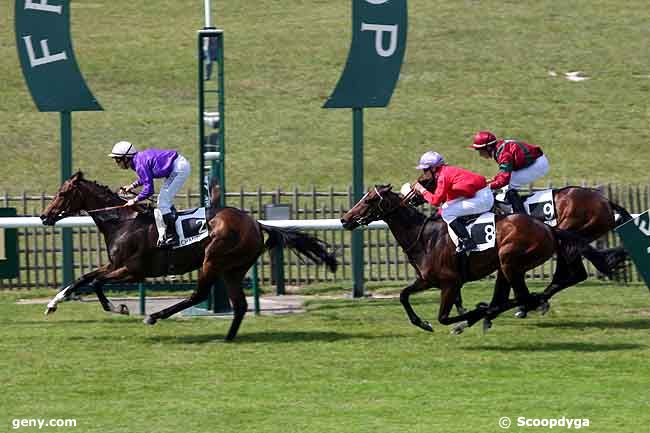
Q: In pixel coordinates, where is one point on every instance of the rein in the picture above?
(376, 213)
(106, 209)
(417, 238)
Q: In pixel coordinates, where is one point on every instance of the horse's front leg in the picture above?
(118, 275)
(71, 288)
(448, 296)
(404, 296)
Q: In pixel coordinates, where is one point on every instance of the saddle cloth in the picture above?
(541, 206)
(191, 226)
(482, 230)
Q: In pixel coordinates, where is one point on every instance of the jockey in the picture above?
(458, 192)
(520, 163)
(153, 164)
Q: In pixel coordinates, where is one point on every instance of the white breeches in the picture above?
(481, 202)
(173, 184)
(530, 174)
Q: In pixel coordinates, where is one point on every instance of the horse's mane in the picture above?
(102, 189)
(416, 216)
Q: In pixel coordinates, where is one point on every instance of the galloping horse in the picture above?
(234, 243)
(587, 213)
(522, 243)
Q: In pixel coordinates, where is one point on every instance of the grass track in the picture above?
(345, 366)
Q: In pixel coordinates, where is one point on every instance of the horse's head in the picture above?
(78, 194)
(426, 179)
(68, 201)
(375, 205)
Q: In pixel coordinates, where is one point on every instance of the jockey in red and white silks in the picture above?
(457, 192)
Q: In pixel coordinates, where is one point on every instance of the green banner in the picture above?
(8, 247)
(635, 235)
(47, 59)
(375, 57)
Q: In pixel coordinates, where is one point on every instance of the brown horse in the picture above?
(587, 213)
(522, 243)
(234, 243)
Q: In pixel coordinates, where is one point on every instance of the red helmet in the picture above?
(483, 139)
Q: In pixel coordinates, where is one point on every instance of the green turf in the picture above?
(344, 366)
(469, 65)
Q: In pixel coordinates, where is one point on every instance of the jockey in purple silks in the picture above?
(153, 164)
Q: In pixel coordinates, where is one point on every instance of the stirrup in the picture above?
(465, 246)
(168, 242)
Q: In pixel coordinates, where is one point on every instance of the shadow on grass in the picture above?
(45, 322)
(597, 324)
(560, 347)
(267, 337)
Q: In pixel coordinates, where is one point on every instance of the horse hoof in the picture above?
(482, 306)
(544, 307)
(124, 309)
(487, 325)
(50, 310)
(149, 320)
(422, 324)
(458, 329)
(521, 314)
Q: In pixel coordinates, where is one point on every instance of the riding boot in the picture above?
(512, 196)
(465, 242)
(171, 237)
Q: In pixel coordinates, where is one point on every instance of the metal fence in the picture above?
(40, 249)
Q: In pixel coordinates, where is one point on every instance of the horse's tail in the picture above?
(624, 215)
(302, 244)
(609, 261)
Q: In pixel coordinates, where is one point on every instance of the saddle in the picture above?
(540, 205)
(482, 229)
(191, 225)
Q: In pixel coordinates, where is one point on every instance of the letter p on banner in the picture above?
(379, 29)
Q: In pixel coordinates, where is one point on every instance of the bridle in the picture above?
(376, 211)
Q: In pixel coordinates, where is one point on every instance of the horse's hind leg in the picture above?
(233, 281)
(566, 275)
(199, 295)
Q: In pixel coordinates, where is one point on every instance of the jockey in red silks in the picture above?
(458, 192)
(153, 164)
(520, 163)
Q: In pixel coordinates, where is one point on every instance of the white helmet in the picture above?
(122, 149)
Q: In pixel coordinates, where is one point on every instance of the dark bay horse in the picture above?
(234, 243)
(587, 213)
(522, 243)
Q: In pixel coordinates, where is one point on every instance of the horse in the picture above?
(587, 213)
(235, 242)
(522, 243)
